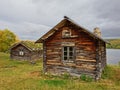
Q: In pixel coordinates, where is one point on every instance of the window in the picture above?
(21, 53)
(68, 53)
(66, 33)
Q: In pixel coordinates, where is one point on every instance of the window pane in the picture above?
(65, 53)
(70, 48)
(65, 58)
(65, 48)
(70, 53)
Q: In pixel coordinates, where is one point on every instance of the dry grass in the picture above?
(21, 75)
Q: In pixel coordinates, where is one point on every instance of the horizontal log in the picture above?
(50, 53)
(54, 60)
(85, 56)
(89, 68)
(80, 57)
(70, 64)
(53, 55)
(89, 43)
(80, 63)
(51, 63)
(85, 60)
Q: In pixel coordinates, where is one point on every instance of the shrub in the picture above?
(107, 73)
(86, 78)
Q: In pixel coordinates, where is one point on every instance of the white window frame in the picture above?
(21, 53)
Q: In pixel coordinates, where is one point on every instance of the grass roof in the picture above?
(32, 45)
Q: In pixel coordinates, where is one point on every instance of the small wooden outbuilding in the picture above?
(68, 47)
(26, 50)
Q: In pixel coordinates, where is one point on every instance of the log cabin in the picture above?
(70, 48)
(26, 50)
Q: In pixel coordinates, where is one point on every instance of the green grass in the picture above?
(21, 75)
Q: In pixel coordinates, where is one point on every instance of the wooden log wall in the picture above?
(85, 53)
(28, 55)
(102, 55)
(100, 58)
(15, 53)
(36, 55)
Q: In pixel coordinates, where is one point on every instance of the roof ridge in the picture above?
(71, 20)
(28, 44)
(51, 31)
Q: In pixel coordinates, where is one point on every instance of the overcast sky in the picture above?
(30, 19)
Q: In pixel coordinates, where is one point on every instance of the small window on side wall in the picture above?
(21, 53)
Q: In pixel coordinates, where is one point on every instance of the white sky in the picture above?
(30, 19)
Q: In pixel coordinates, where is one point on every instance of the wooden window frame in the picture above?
(66, 33)
(68, 54)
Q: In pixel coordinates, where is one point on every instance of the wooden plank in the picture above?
(69, 64)
(68, 44)
(53, 58)
(53, 63)
(89, 68)
(85, 60)
(50, 53)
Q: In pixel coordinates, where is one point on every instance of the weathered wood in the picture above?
(85, 52)
(86, 67)
(53, 63)
(79, 52)
(27, 54)
(85, 60)
(44, 57)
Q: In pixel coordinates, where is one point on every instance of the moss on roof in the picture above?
(32, 45)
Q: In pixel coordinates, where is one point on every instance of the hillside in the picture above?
(22, 75)
(114, 43)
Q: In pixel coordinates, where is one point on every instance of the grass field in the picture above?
(22, 75)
